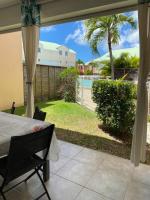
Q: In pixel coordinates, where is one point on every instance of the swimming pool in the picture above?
(85, 83)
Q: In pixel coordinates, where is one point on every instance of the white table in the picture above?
(13, 125)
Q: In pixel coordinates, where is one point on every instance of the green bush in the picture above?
(115, 105)
(89, 72)
(68, 89)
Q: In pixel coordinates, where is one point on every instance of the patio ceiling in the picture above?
(57, 11)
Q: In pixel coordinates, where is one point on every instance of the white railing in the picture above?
(90, 77)
(84, 92)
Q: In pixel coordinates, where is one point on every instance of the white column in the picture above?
(138, 152)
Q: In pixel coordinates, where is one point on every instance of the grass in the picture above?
(78, 125)
(70, 116)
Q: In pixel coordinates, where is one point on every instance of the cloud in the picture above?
(47, 29)
(129, 37)
(78, 35)
(133, 38)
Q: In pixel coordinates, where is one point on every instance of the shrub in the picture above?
(115, 105)
(89, 72)
(68, 89)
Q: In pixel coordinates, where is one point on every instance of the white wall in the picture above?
(54, 58)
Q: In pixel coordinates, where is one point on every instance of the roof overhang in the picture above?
(58, 11)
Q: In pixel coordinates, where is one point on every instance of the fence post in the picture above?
(82, 90)
(148, 88)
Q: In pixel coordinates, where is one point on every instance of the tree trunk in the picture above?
(111, 57)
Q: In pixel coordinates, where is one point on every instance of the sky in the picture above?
(72, 35)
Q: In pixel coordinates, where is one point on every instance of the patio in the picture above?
(83, 173)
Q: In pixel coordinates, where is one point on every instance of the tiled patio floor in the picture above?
(84, 174)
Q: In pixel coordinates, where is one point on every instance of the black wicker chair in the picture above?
(39, 115)
(22, 158)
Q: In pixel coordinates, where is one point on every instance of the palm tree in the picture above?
(101, 28)
(94, 64)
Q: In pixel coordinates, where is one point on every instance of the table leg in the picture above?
(46, 171)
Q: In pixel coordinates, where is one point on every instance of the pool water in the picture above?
(85, 83)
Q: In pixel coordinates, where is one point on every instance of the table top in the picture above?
(13, 125)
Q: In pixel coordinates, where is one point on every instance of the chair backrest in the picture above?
(22, 148)
(38, 114)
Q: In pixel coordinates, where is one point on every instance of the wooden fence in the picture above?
(46, 83)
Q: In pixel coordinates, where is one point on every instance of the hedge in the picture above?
(68, 88)
(115, 105)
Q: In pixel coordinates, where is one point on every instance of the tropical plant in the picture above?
(106, 69)
(94, 64)
(106, 28)
(80, 62)
(80, 66)
(89, 72)
(124, 61)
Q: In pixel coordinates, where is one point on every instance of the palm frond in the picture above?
(98, 28)
(95, 40)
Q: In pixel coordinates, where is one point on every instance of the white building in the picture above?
(55, 55)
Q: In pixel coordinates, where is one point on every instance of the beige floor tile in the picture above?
(137, 191)
(142, 174)
(89, 156)
(15, 195)
(61, 189)
(56, 165)
(22, 191)
(30, 186)
(104, 176)
(77, 172)
(90, 195)
(109, 183)
(61, 142)
(122, 166)
(69, 150)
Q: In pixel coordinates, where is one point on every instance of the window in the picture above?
(60, 52)
(66, 53)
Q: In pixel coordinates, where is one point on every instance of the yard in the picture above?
(70, 116)
(77, 124)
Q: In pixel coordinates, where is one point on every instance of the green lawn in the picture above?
(73, 116)
(77, 124)
(70, 116)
